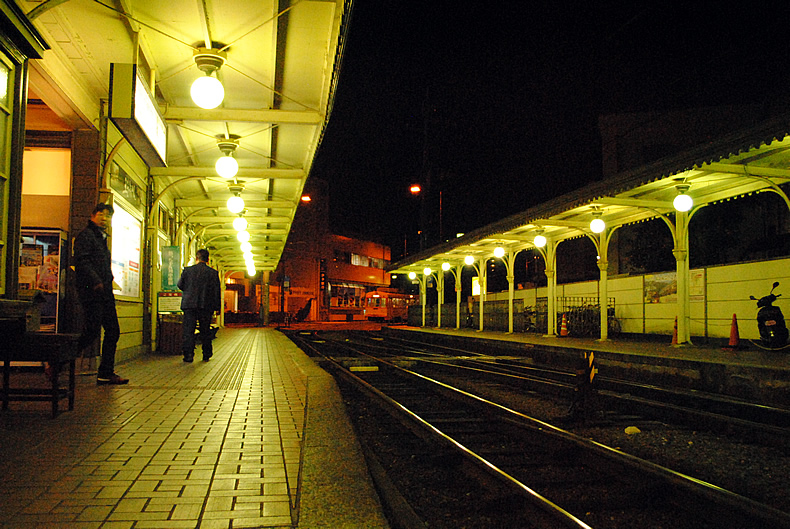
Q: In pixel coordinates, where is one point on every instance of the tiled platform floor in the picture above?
(227, 444)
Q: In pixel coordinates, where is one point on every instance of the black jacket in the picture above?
(92, 259)
(200, 284)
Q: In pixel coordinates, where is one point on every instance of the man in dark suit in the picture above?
(201, 298)
(92, 262)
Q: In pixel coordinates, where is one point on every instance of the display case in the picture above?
(41, 272)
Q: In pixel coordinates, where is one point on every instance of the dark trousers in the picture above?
(202, 318)
(99, 311)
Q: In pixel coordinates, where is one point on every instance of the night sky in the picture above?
(496, 104)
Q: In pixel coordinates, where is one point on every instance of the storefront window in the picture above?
(126, 231)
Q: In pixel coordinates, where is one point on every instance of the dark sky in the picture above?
(498, 102)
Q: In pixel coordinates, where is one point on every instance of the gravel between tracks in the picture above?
(443, 499)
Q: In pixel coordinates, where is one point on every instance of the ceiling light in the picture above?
(247, 257)
(412, 275)
(469, 260)
(445, 266)
(235, 204)
(539, 240)
(683, 202)
(426, 271)
(246, 247)
(240, 224)
(243, 236)
(226, 165)
(499, 252)
(207, 92)
(597, 225)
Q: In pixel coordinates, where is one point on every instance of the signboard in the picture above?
(168, 302)
(134, 111)
(126, 238)
(171, 267)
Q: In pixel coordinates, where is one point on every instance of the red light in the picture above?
(306, 198)
(415, 189)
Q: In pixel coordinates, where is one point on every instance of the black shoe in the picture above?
(113, 380)
(207, 357)
(189, 358)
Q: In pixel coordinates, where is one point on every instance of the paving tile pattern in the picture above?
(209, 445)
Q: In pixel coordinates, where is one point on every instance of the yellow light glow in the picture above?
(499, 252)
(246, 247)
(445, 266)
(243, 236)
(469, 260)
(235, 204)
(683, 202)
(426, 271)
(226, 166)
(412, 275)
(540, 241)
(240, 224)
(597, 225)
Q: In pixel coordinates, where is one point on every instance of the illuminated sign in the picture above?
(133, 110)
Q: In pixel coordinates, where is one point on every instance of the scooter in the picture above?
(771, 321)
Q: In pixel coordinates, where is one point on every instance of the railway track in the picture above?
(718, 413)
(565, 480)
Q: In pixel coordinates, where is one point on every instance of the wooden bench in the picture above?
(57, 350)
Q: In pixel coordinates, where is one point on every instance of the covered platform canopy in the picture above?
(750, 161)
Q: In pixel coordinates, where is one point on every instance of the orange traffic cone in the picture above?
(564, 326)
(675, 334)
(735, 338)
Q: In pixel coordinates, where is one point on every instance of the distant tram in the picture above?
(388, 305)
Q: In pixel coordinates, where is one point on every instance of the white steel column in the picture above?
(680, 252)
(457, 271)
(509, 260)
(601, 241)
(439, 297)
(482, 274)
(549, 253)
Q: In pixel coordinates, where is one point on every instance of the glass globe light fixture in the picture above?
(240, 224)
(246, 247)
(426, 271)
(243, 236)
(235, 204)
(247, 257)
(683, 202)
(207, 92)
(540, 241)
(469, 260)
(499, 252)
(445, 266)
(597, 225)
(412, 275)
(226, 166)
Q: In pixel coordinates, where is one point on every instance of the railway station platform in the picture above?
(255, 438)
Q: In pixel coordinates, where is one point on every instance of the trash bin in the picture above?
(168, 336)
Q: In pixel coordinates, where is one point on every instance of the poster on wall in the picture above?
(126, 231)
(171, 268)
(661, 288)
(697, 285)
